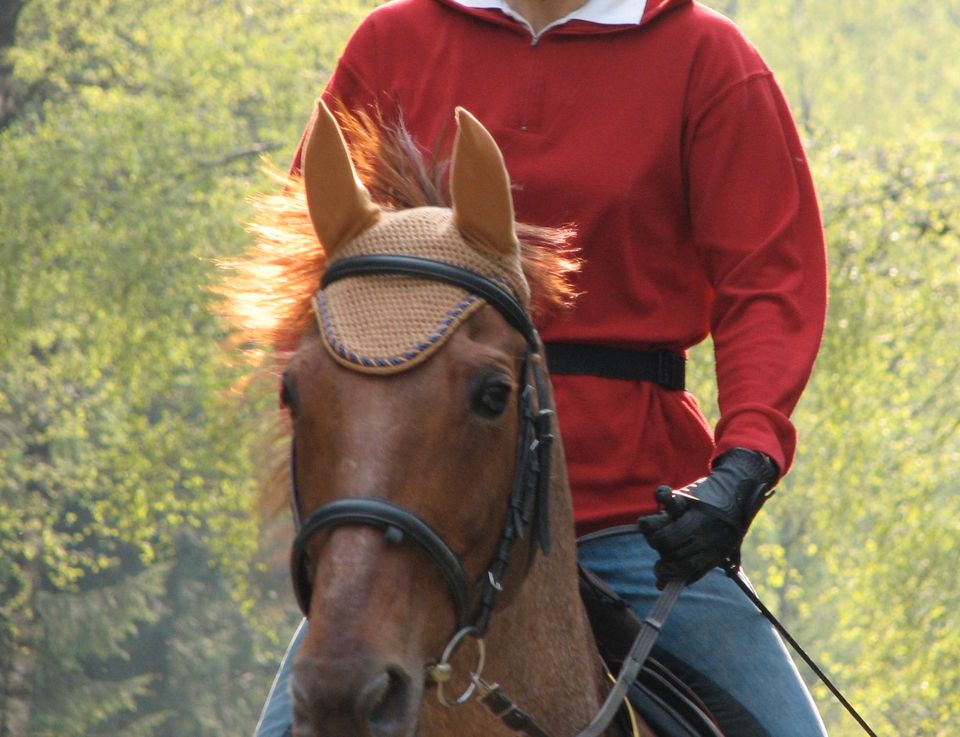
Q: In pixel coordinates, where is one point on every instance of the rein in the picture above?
(528, 506)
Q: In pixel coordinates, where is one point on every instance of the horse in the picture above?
(435, 559)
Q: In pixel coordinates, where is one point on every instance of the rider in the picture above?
(657, 130)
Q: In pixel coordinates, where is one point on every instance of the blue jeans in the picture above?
(714, 639)
(277, 715)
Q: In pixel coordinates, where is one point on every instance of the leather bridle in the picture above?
(527, 506)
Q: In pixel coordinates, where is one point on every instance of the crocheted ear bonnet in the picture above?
(386, 323)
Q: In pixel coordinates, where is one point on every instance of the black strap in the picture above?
(510, 714)
(634, 660)
(528, 502)
(670, 706)
(665, 368)
(521, 721)
(396, 523)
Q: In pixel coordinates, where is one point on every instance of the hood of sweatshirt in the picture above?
(595, 16)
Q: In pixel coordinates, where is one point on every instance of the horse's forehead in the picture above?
(389, 323)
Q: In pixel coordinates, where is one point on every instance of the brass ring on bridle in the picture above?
(441, 672)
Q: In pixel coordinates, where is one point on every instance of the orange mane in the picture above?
(266, 292)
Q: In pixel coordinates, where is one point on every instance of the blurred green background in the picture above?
(140, 592)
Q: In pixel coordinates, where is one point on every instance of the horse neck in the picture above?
(540, 648)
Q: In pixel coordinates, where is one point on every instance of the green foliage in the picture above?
(108, 401)
(860, 555)
(872, 67)
(130, 579)
(124, 175)
(857, 552)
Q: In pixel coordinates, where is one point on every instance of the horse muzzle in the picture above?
(365, 697)
(376, 613)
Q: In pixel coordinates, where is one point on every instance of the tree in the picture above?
(130, 136)
(122, 176)
(857, 557)
(875, 68)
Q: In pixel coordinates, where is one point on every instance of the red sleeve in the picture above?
(755, 216)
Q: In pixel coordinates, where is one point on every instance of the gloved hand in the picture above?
(703, 524)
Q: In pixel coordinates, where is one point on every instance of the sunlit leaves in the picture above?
(124, 175)
(126, 534)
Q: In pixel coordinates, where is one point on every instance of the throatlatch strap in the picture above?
(665, 368)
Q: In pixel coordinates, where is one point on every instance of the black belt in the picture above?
(665, 368)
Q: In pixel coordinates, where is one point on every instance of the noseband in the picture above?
(528, 498)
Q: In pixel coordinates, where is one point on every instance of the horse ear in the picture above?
(340, 206)
(480, 188)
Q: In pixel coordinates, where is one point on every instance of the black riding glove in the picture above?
(703, 524)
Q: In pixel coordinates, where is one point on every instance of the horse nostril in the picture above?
(385, 703)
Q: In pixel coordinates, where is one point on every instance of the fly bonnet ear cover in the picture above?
(386, 323)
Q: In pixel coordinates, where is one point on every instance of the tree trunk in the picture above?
(9, 11)
(17, 657)
(16, 680)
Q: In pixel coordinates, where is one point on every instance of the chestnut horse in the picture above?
(436, 552)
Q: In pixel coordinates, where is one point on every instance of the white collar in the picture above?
(604, 12)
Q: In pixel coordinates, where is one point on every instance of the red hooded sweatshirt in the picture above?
(669, 146)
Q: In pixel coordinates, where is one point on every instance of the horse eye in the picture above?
(490, 396)
(288, 394)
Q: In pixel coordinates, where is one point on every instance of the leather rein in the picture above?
(527, 508)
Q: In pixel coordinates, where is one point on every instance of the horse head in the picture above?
(415, 420)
